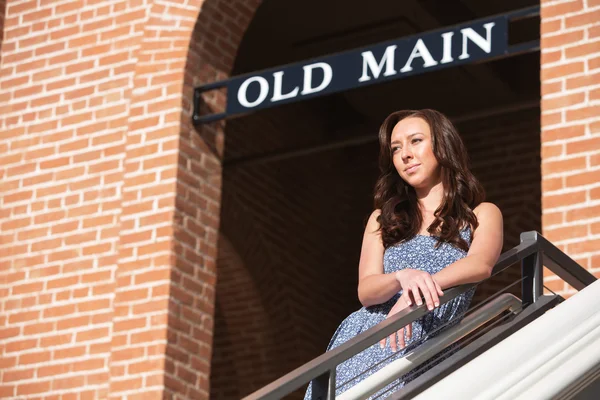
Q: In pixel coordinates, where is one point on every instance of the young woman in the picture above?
(430, 230)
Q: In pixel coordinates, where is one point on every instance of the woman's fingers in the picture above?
(401, 338)
(397, 340)
(420, 289)
(414, 288)
(406, 296)
(431, 296)
(438, 287)
(393, 341)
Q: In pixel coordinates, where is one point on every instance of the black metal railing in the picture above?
(533, 253)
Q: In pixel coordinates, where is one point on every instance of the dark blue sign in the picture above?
(378, 63)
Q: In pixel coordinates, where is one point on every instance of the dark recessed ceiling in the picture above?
(286, 31)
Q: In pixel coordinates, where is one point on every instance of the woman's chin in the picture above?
(415, 183)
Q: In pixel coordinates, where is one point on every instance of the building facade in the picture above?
(125, 238)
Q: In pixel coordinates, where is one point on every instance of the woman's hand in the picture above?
(400, 305)
(416, 283)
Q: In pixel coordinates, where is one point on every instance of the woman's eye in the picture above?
(416, 140)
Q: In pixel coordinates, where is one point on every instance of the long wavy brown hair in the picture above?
(401, 217)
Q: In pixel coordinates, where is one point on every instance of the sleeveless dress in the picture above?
(417, 253)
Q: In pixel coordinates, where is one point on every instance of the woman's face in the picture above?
(412, 153)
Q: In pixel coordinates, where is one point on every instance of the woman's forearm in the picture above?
(377, 289)
(465, 270)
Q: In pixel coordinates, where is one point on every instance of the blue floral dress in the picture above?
(416, 253)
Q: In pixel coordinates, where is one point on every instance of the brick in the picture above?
(149, 335)
(96, 249)
(16, 197)
(59, 311)
(11, 376)
(585, 212)
(585, 145)
(94, 305)
(586, 246)
(145, 366)
(550, 11)
(551, 118)
(551, 57)
(583, 178)
(150, 306)
(127, 384)
(583, 49)
(595, 228)
(14, 9)
(56, 340)
(20, 345)
(32, 287)
(561, 71)
(586, 18)
(23, 316)
(74, 322)
(568, 232)
(97, 276)
(582, 113)
(24, 389)
(53, 370)
(550, 26)
(68, 383)
(595, 263)
(69, 352)
(563, 101)
(58, 162)
(93, 334)
(583, 81)
(571, 164)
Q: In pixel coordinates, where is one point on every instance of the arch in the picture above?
(181, 44)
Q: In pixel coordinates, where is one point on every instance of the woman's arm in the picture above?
(483, 253)
(374, 286)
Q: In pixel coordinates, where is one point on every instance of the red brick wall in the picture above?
(570, 75)
(214, 40)
(110, 200)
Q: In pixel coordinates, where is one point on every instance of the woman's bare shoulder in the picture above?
(373, 223)
(487, 209)
(488, 214)
(375, 214)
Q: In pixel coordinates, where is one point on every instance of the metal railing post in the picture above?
(532, 272)
(323, 387)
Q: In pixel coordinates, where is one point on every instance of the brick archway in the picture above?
(190, 228)
(110, 198)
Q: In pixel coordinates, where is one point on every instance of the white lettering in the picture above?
(277, 87)
(484, 44)
(242, 92)
(327, 76)
(369, 61)
(447, 47)
(420, 50)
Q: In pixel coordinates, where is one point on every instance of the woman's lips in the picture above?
(412, 169)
